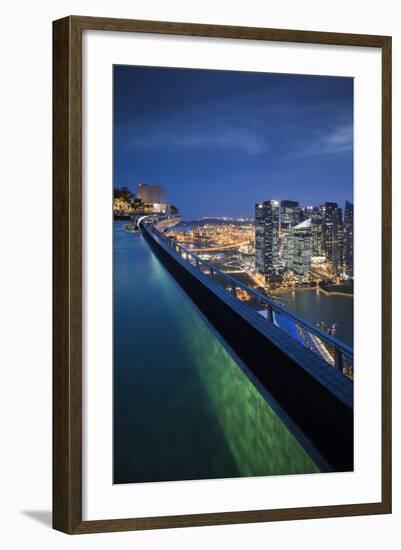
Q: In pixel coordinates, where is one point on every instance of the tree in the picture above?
(137, 204)
(124, 193)
(123, 200)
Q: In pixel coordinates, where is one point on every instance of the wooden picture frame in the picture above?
(67, 273)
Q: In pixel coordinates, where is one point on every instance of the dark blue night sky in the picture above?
(221, 141)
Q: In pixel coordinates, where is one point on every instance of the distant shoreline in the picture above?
(318, 288)
(336, 293)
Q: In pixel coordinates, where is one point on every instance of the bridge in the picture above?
(300, 366)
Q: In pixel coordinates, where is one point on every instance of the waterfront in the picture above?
(315, 306)
(310, 303)
(183, 408)
(219, 242)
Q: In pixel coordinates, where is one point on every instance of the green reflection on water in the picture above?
(259, 441)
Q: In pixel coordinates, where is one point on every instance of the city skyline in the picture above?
(288, 237)
(222, 141)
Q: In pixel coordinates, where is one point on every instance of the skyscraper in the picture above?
(317, 231)
(298, 242)
(333, 235)
(259, 238)
(288, 250)
(348, 255)
(267, 237)
(151, 194)
(307, 212)
(290, 216)
(329, 208)
(338, 243)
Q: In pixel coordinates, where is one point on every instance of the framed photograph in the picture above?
(222, 274)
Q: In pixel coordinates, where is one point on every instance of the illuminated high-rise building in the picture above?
(338, 245)
(298, 242)
(151, 194)
(328, 235)
(259, 237)
(317, 231)
(308, 211)
(267, 238)
(333, 235)
(290, 216)
(348, 255)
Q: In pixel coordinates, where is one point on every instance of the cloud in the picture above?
(248, 124)
(341, 140)
(208, 128)
(336, 141)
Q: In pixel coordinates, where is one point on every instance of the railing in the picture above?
(336, 353)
